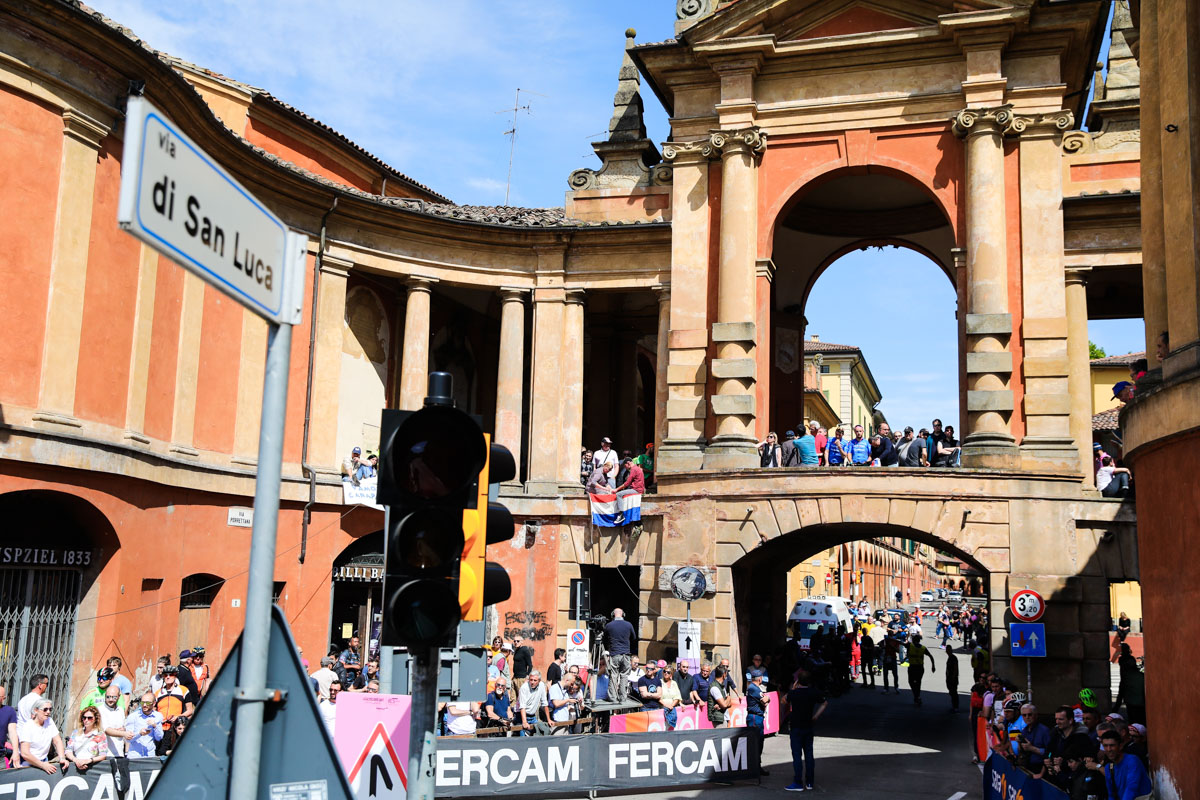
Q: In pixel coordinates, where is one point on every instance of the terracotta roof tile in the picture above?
(829, 347)
(1117, 361)
(1106, 420)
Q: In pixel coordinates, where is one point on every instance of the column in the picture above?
(325, 432)
(68, 267)
(1049, 442)
(687, 338)
(414, 369)
(1154, 280)
(572, 391)
(1079, 375)
(545, 404)
(660, 368)
(510, 374)
(734, 332)
(988, 442)
(139, 359)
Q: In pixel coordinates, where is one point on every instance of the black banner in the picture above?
(572, 764)
(95, 784)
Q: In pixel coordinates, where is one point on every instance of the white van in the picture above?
(831, 614)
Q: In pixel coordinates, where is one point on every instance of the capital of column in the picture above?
(687, 152)
(420, 283)
(663, 290)
(513, 294)
(574, 296)
(338, 267)
(82, 128)
(1076, 276)
(746, 140)
(1003, 121)
(765, 268)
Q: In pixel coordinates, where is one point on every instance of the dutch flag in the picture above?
(610, 511)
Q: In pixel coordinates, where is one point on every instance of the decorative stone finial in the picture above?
(631, 33)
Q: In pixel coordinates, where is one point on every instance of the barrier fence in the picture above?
(95, 784)
(1002, 780)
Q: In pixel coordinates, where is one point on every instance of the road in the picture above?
(874, 745)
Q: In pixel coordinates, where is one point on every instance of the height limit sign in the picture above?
(1027, 605)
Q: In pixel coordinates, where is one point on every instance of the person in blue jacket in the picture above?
(1124, 774)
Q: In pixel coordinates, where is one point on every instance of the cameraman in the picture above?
(619, 637)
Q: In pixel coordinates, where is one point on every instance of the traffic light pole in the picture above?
(422, 741)
(250, 696)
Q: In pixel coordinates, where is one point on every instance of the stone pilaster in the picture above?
(139, 361)
(82, 136)
(1049, 442)
(687, 338)
(324, 432)
(734, 332)
(660, 369)
(510, 373)
(1154, 283)
(414, 369)
(988, 441)
(571, 430)
(1079, 375)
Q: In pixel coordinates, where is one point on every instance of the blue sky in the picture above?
(419, 84)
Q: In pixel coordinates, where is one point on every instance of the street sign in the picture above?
(1027, 639)
(809, 581)
(689, 643)
(1027, 605)
(175, 198)
(372, 743)
(577, 647)
(293, 732)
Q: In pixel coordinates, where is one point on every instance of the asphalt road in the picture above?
(873, 745)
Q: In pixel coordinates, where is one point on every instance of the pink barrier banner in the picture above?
(371, 739)
(692, 718)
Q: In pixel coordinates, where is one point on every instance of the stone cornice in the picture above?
(82, 128)
(1003, 121)
(744, 140)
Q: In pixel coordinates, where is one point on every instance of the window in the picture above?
(824, 369)
(277, 591)
(199, 590)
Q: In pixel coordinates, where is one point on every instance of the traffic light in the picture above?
(429, 462)
(482, 583)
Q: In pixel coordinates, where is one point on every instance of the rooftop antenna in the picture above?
(512, 134)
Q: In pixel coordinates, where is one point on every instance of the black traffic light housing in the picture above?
(429, 464)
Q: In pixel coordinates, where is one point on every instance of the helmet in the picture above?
(1017, 696)
(1012, 704)
(1088, 698)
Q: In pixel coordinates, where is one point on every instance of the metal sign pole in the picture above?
(1029, 679)
(251, 694)
(422, 742)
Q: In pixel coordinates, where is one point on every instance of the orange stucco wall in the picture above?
(856, 20)
(532, 566)
(1103, 172)
(1012, 222)
(917, 154)
(305, 155)
(110, 301)
(217, 378)
(30, 150)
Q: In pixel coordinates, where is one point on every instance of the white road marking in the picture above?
(957, 796)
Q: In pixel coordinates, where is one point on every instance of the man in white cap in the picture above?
(606, 455)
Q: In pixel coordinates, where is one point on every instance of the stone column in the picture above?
(327, 366)
(510, 374)
(414, 368)
(687, 338)
(82, 136)
(734, 332)
(1154, 281)
(1079, 374)
(660, 369)
(545, 401)
(571, 430)
(1049, 433)
(988, 442)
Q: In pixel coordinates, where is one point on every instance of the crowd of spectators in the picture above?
(603, 471)
(356, 470)
(110, 723)
(1081, 751)
(928, 447)
(343, 669)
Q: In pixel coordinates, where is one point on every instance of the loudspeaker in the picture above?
(581, 600)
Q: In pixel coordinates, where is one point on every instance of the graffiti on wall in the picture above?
(532, 625)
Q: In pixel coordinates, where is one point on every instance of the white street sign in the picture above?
(689, 643)
(578, 644)
(240, 517)
(176, 199)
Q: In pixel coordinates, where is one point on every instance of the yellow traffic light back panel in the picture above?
(471, 568)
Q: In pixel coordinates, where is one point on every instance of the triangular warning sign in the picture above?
(378, 771)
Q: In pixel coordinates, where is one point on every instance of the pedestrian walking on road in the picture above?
(951, 677)
(806, 704)
(891, 658)
(867, 647)
(917, 653)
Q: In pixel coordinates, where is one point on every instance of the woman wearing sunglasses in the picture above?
(87, 744)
